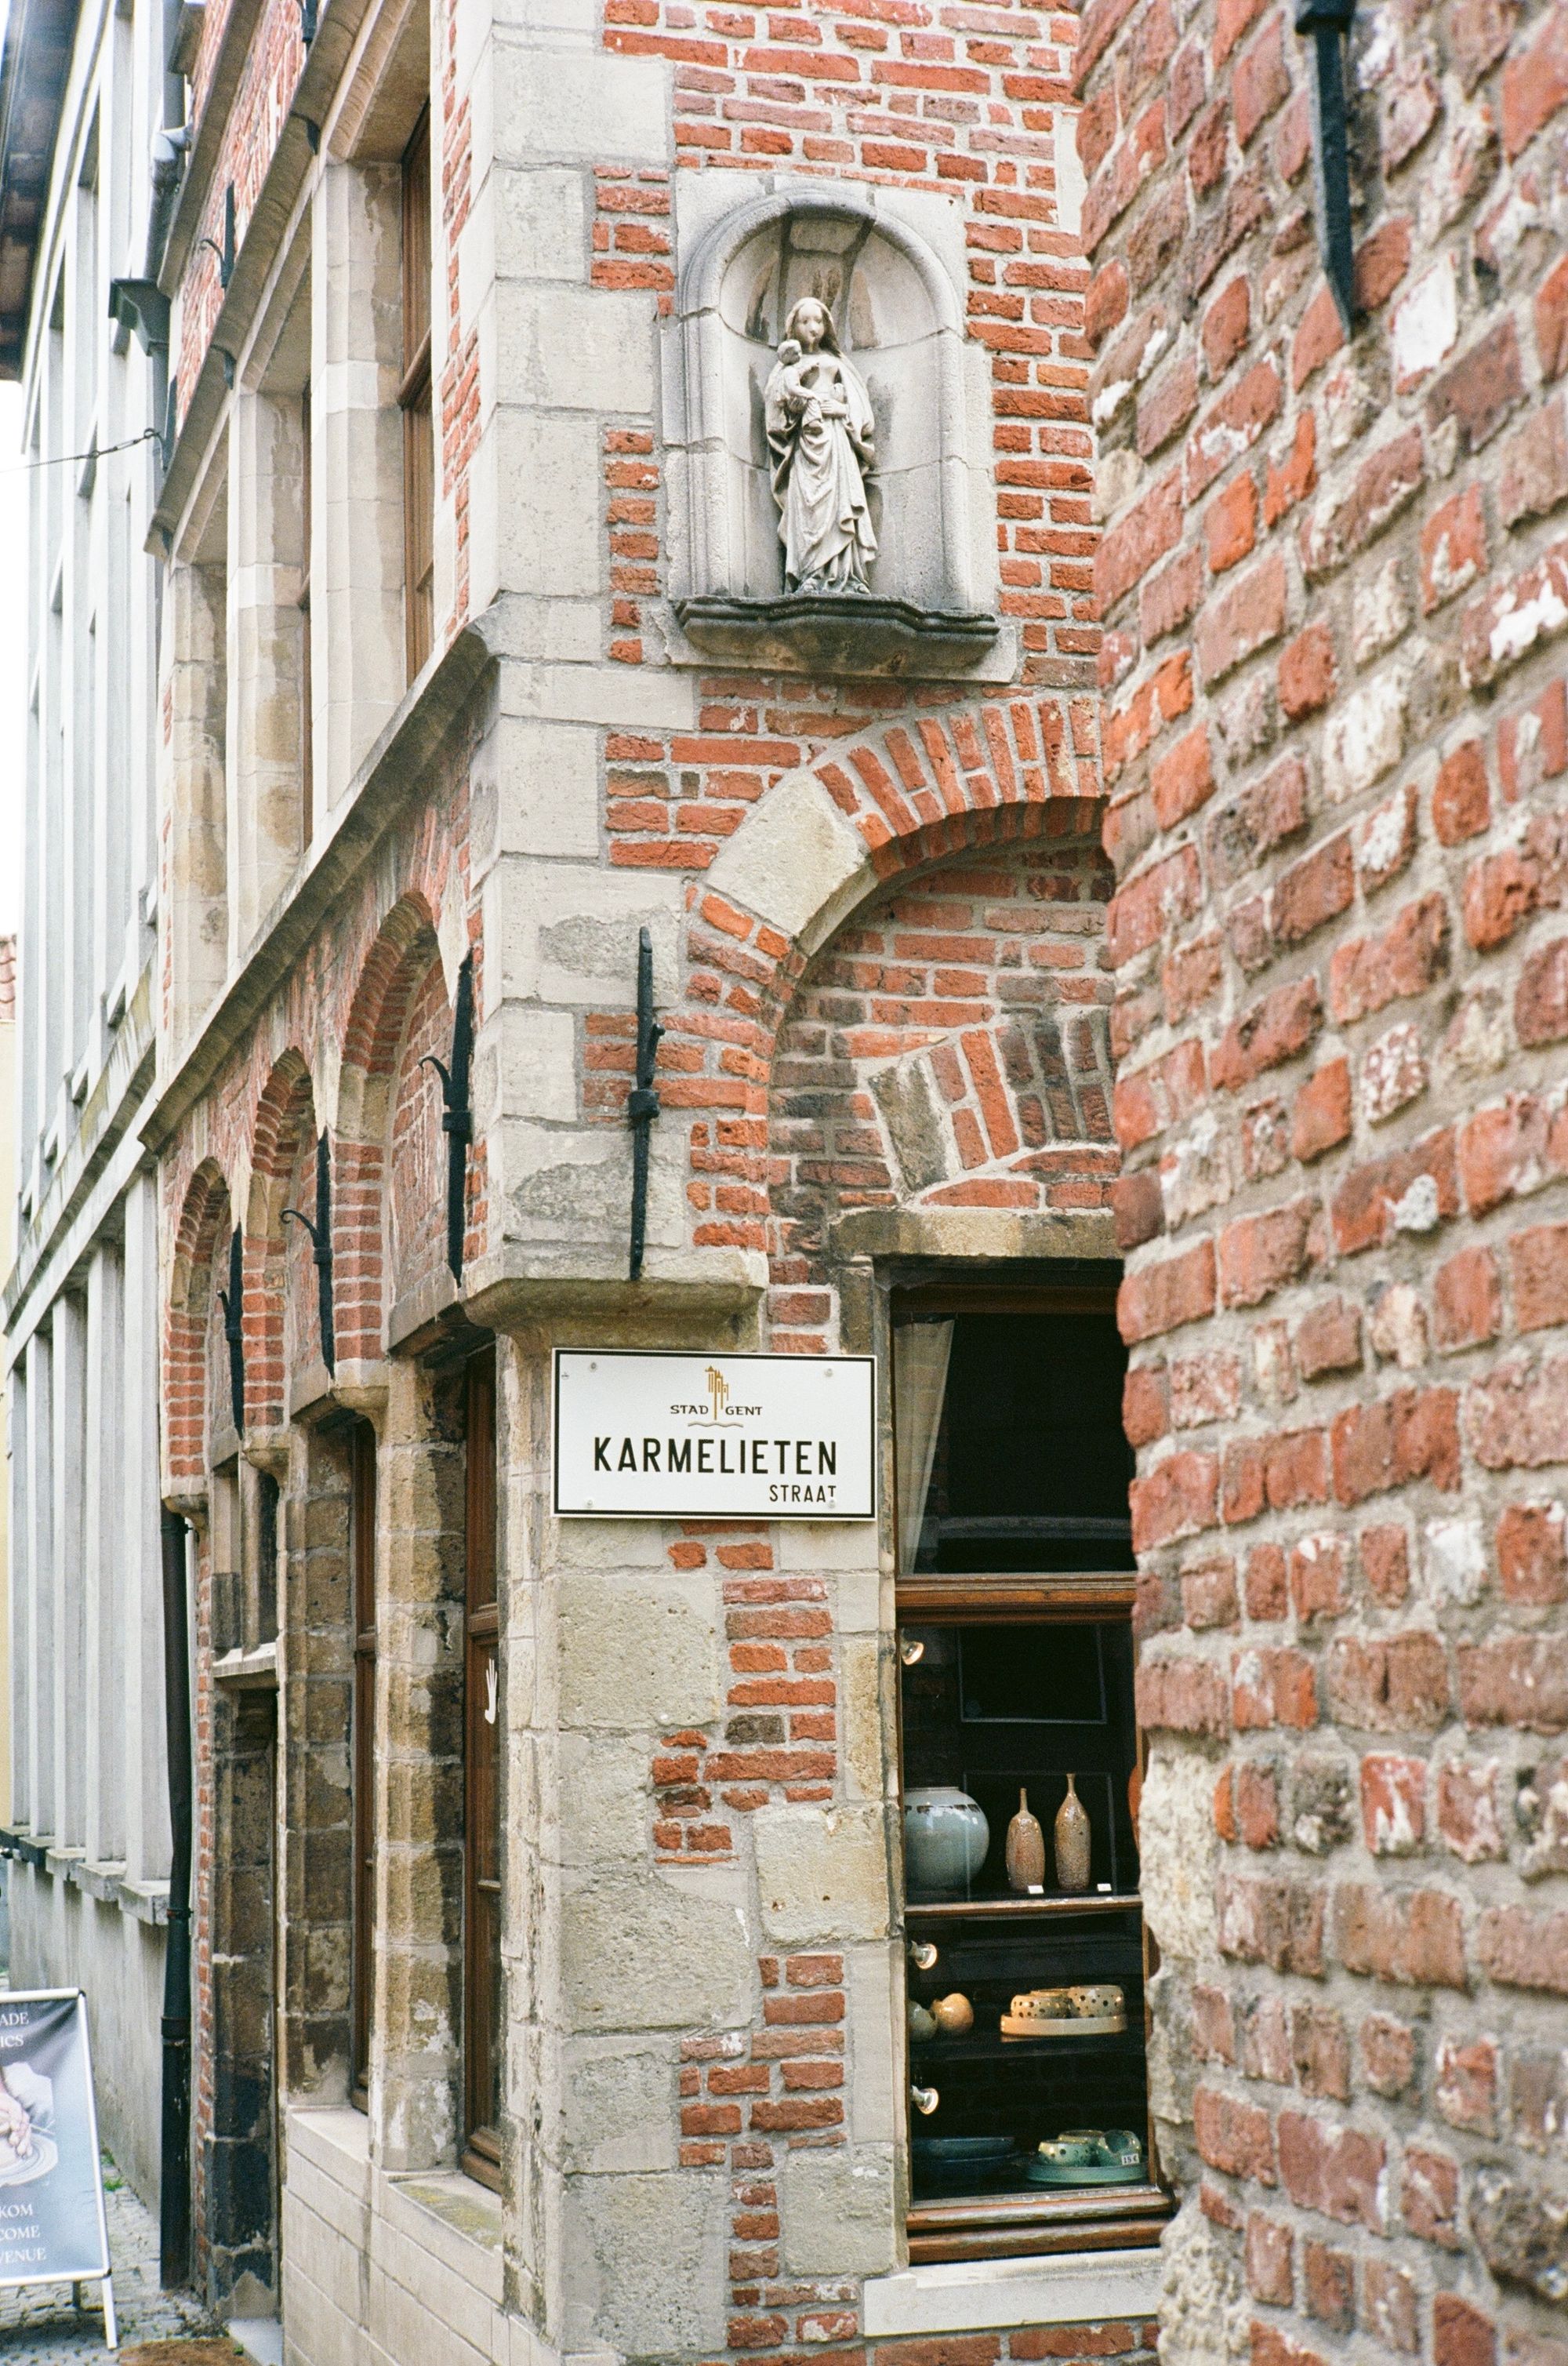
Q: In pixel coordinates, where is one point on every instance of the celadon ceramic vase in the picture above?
(946, 1836)
(1072, 1839)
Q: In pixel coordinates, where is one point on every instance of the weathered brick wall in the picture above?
(1335, 721)
(273, 61)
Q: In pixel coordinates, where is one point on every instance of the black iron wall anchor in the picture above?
(1326, 23)
(320, 1232)
(232, 1302)
(643, 1101)
(457, 1116)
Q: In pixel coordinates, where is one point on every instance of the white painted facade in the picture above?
(88, 1829)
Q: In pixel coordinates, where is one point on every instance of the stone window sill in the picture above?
(973, 2297)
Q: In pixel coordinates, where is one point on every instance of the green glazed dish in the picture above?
(1088, 2156)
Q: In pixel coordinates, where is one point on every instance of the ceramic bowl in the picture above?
(1043, 2004)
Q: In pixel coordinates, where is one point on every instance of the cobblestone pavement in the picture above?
(38, 2322)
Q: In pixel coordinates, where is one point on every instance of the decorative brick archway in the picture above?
(388, 1143)
(1008, 772)
(204, 1221)
(276, 1265)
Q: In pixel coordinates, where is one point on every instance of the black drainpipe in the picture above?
(174, 2172)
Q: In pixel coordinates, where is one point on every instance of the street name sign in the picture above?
(714, 1437)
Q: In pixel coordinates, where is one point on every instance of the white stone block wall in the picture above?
(89, 1829)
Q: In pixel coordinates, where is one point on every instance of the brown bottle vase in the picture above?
(1072, 1839)
(1025, 1849)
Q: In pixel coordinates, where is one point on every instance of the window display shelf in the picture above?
(1010, 1909)
(991, 2046)
(1021, 1762)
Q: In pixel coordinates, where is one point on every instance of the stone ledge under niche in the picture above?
(832, 633)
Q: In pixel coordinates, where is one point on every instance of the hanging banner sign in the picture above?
(714, 1437)
(52, 2193)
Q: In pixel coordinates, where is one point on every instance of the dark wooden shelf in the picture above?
(1013, 2207)
(990, 2046)
(1008, 1910)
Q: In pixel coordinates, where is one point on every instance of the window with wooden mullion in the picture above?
(1014, 1596)
(306, 716)
(361, 1562)
(415, 399)
(482, 1829)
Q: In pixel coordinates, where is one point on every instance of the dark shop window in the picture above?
(362, 1565)
(1027, 1958)
(482, 1770)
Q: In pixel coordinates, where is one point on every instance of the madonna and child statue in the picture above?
(822, 439)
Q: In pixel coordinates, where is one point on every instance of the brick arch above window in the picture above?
(390, 1149)
(823, 842)
(200, 1234)
(826, 835)
(279, 1294)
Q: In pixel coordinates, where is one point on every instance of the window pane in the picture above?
(1031, 1465)
(417, 241)
(987, 1721)
(1026, 2046)
(482, 1860)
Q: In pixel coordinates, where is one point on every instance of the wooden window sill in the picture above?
(1124, 2217)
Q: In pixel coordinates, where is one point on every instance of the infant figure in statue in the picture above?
(821, 438)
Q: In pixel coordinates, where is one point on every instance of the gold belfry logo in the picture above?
(719, 1390)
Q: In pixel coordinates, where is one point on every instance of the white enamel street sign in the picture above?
(704, 1437)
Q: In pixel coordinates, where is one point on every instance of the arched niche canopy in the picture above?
(933, 502)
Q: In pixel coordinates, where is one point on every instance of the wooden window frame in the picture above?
(1014, 2226)
(269, 1527)
(306, 687)
(481, 1771)
(415, 401)
(362, 1613)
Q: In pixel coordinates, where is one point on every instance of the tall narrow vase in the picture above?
(1025, 1849)
(1072, 1839)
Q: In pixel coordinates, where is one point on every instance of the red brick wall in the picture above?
(1331, 581)
(1066, 2345)
(260, 108)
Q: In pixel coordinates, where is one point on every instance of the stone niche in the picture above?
(896, 305)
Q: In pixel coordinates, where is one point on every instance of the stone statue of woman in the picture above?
(822, 435)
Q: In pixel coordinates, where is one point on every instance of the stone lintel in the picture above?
(975, 1235)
